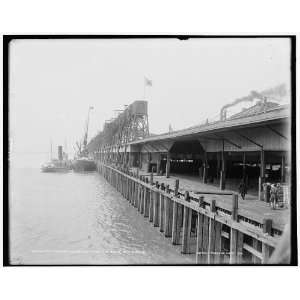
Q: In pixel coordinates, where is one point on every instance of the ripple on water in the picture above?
(83, 214)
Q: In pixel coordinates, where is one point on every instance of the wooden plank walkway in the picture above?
(251, 207)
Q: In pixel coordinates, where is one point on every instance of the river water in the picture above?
(78, 218)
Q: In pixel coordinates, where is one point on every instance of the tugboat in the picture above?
(59, 165)
(82, 162)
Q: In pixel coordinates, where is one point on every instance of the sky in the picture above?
(52, 83)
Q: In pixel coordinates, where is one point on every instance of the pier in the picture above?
(186, 182)
(216, 234)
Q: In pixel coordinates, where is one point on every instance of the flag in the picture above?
(148, 81)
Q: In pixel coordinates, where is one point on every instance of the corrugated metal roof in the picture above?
(277, 113)
(258, 108)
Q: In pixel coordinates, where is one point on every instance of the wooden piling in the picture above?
(177, 217)
(161, 209)
(199, 233)
(214, 239)
(151, 199)
(132, 192)
(142, 197)
(218, 242)
(168, 214)
(136, 189)
(156, 206)
(266, 251)
(127, 188)
(146, 201)
(236, 237)
(255, 259)
(138, 197)
(187, 221)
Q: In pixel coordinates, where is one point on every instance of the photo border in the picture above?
(8, 38)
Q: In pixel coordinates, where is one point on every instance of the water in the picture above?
(80, 219)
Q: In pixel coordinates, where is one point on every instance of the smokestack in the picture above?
(60, 153)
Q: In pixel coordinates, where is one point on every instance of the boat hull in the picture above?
(54, 170)
(84, 165)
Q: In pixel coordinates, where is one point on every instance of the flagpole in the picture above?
(144, 89)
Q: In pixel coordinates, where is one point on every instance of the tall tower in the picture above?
(131, 124)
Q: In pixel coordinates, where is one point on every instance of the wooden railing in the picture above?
(216, 235)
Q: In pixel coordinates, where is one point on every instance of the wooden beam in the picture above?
(282, 168)
(223, 169)
(248, 139)
(163, 146)
(205, 169)
(199, 233)
(229, 141)
(146, 201)
(267, 229)
(277, 132)
(168, 213)
(156, 206)
(147, 148)
(211, 235)
(244, 166)
(234, 234)
(168, 165)
(162, 208)
(157, 150)
(187, 221)
(177, 217)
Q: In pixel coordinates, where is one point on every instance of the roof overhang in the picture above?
(276, 115)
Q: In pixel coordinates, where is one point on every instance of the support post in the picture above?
(176, 217)
(262, 174)
(266, 251)
(158, 164)
(161, 209)
(199, 243)
(168, 214)
(146, 201)
(212, 234)
(136, 194)
(151, 176)
(218, 165)
(187, 221)
(236, 237)
(244, 167)
(282, 168)
(205, 168)
(168, 165)
(142, 196)
(151, 198)
(138, 198)
(223, 169)
(156, 206)
(255, 260)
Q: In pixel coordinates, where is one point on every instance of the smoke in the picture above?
(276, 93)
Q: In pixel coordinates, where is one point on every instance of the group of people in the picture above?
(272, 193)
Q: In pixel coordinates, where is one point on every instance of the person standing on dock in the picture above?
(273, 198)
(243, 189)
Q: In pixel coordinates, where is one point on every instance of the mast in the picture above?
(51, 150)
(85, 137)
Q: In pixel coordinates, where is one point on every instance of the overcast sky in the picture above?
(53, 82)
